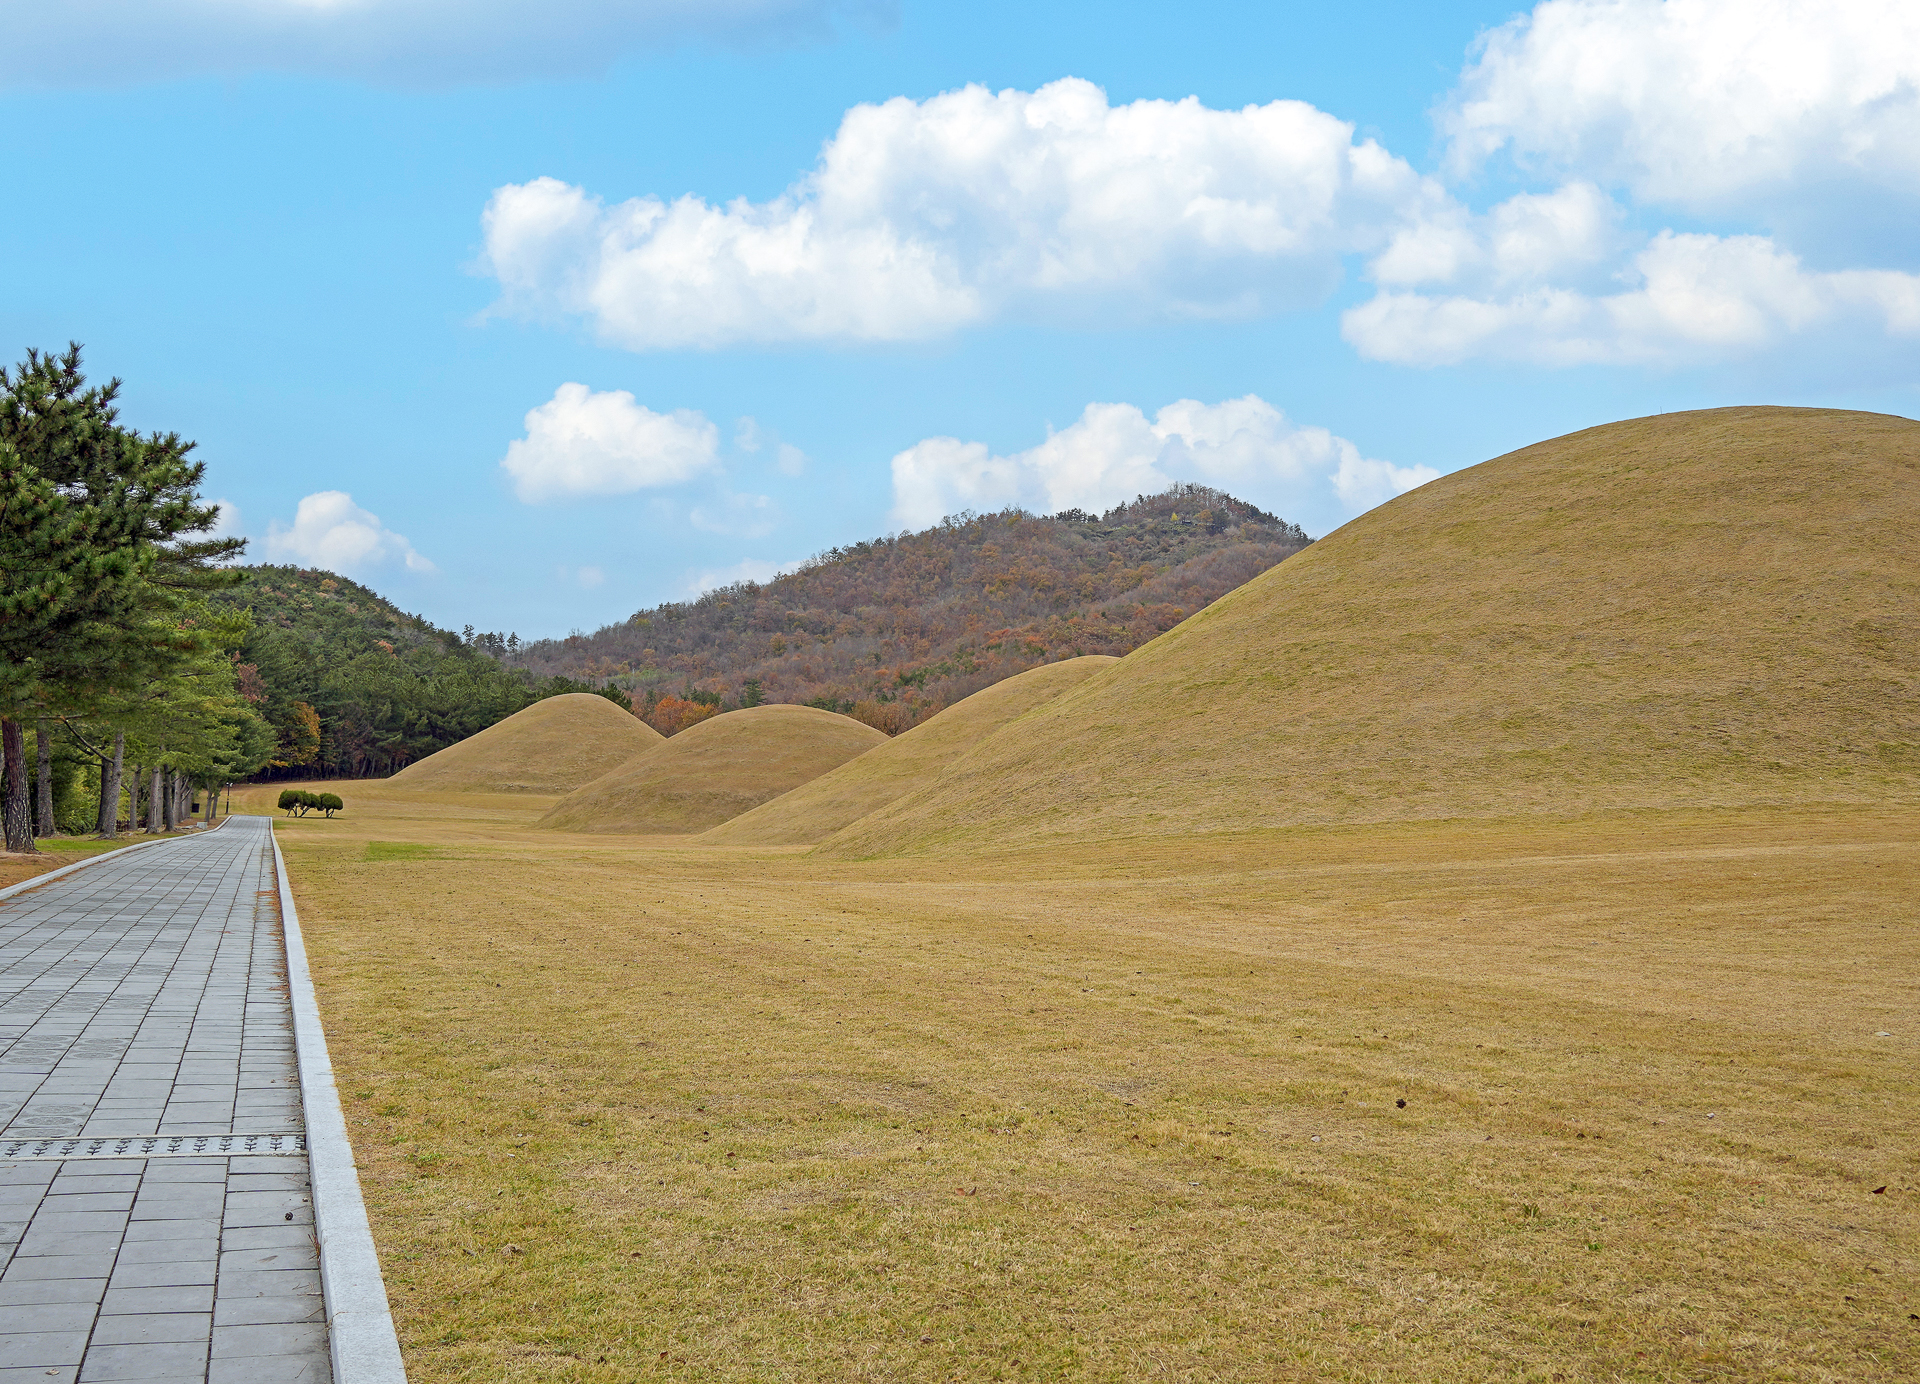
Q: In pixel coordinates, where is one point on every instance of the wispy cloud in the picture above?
(751, 569)
(414, 43)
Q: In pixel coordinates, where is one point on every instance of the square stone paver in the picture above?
(144, 995)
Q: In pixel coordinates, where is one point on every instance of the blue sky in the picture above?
(533, 315)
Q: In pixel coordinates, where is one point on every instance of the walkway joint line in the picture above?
(35, 881)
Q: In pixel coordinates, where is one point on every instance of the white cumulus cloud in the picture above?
(582, 442)
(402, 42)
(227, 522)
(1700, 103)
(329, 530)
(922, 217)
(1690, 298)
(1529, 238)
(1115, 452)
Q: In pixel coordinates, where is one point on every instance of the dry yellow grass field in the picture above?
(551, 747)
(714, 770)
(630, 1110)
(1714, 608)
(887, 772)
(1479, 949)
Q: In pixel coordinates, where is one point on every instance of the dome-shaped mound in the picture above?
(814, 811)
(714, 770)
(553, 746)
(1703, 609)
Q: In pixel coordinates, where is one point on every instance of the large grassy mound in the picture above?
(1716, 608)
(814, 811)
(715, 770)
(553, 746)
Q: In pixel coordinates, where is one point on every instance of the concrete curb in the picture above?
(359, 1322)
(52, 875)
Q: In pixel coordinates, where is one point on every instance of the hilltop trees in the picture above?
(103, 553)
(886, 632)
(891, 630)
(356, 688)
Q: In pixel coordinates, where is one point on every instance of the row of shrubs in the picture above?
(299, 802)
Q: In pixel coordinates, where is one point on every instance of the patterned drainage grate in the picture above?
(150, 1146)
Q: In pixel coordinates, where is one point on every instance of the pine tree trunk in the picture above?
(43, 751)
(15, 806)
(110, 787)
(153, 803)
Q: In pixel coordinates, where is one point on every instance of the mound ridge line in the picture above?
(553, 746)
(1708, 609)
(714, 771)
(867, 783)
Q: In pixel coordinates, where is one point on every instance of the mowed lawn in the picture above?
(57, 852)
(632, 1110)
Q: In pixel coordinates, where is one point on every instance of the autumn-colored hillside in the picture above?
(897, 627)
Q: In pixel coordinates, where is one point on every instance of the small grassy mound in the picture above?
(1711, 609)
(553, 746)
(814, 811)
(715, 770)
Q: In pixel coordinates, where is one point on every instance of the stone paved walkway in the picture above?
(144, 1017)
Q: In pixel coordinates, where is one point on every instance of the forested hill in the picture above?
(323, 608)
(895, 628)
(354, 686)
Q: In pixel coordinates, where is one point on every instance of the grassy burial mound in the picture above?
(715, 770)
(815, 810)
(553, 746)
(1717, 608)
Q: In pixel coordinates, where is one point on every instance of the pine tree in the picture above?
(96, 548)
